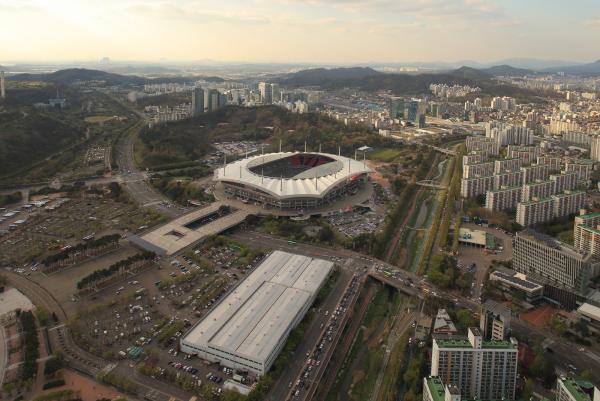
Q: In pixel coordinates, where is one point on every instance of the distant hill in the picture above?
(507, 71)
(70, 75)
(471, 73)
(319, 76)
(582, 69)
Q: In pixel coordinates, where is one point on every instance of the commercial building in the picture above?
(518, 281)
(266, 92)
(586, 233)
(470, 187)
(480, 369)
(494, 321)
(564, 272)
(538, 189)
(507, 165)
(249, 327)
(443, 324)
(568, 389)
(485, 169)
(505, 198)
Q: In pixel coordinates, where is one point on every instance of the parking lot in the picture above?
(356, 222)
(478, 260)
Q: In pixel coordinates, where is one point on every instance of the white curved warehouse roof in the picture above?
(302, 185)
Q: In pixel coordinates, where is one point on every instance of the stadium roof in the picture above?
(251, 320)
(313, 182)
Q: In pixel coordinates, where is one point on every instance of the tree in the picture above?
(527, 390)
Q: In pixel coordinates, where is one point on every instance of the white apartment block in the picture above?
(568, 203)
(586, 233)
(480, 369)
(535, 211)
(595, 148)
(474, 158)
(482, 144)
(568, 389)
(535, 172)
(470, 187)
(478, 170)
(507, 165)
(505, 198)
(538, 189)
(527, 153)
(508, 134)
(564, 181)
(555, 163)
(582, 167)
(578, 137)
(508, 179)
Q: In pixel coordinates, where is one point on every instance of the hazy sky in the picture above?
(319, 31)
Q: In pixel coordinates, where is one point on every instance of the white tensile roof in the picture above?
(314, 182)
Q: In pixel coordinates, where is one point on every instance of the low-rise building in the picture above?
(443, 324)
(518, 281)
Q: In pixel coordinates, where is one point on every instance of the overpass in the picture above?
(397, 283)
(189, 229)
(444, 150)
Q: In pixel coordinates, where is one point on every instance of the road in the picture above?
(3, 354)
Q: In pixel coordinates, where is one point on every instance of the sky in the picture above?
(310, 31)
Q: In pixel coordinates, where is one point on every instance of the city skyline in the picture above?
(309, 31)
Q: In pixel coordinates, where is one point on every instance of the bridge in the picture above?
(397, 283)
(444, 150)
(431, 184)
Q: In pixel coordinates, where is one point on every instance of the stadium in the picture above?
(292, 181)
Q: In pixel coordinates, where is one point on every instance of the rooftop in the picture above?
(251, 319)
(575, 389)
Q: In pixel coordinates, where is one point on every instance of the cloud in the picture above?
(591, 23)
(193, 15)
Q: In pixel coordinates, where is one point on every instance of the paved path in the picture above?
(3, 354)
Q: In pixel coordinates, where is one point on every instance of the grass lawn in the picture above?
(384, 154)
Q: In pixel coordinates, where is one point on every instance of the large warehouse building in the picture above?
(248, 328)
(292, 180)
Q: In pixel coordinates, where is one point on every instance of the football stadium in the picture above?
(292, 181)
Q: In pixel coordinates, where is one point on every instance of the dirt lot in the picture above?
(86, 389)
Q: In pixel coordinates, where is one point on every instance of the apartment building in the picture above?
(586, 233)
(486, 146)
(538, 189)
(470, 187)
(505, 198)
(485, 169)
(555, 162)
(508, 179)
(564, 181)
(480, 369)
(535, 172)
(568, 202)
(507, 165)
(474, 158)
(535, 211)
(569, 389)
(583, 168)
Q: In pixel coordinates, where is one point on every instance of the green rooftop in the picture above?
(575, 389)
(589, 215)
(436, 388)
(464, 343)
